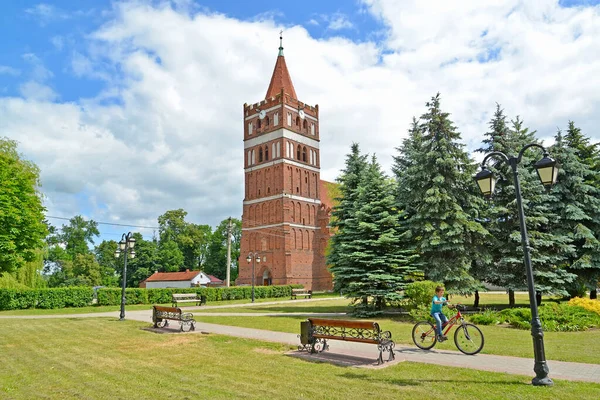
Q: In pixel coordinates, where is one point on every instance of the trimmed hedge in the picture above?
(17, 299)
(112, 296)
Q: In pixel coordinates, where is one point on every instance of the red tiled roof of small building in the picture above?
(214, 279)
(173, 276)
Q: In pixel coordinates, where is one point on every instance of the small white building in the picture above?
(181, 280)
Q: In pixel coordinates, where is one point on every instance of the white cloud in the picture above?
(339, 21)
(36, 91)
(46, 13)
(6, 70)
(167, 131)
(58, 42)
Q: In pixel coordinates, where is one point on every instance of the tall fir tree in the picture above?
(547, 248)
(340, 263)
(576, 202)
(380, 267)
(437, 193)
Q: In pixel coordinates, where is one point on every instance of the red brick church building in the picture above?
(286, 204)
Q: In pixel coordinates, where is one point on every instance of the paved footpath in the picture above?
(360, 354)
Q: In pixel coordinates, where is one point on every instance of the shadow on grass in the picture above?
(429, 381)
(306, 309)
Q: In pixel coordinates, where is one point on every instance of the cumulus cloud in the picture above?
(339, 21)
(6, 70)
(46, 13)
(166, 132)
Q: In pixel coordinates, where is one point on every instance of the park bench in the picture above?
(301, 292)
(161, 316)
(187, 298)
(314, 334)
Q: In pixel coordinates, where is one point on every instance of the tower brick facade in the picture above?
(286, 206)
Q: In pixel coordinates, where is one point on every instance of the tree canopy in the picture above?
(22, 227)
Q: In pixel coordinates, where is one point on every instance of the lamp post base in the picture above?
(546, 381)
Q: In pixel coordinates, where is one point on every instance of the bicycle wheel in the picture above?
(468, 338)
(423, 335)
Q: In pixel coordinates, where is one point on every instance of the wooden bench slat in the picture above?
(167, 309)
(347, 339)
(343, 323)
(315, 332)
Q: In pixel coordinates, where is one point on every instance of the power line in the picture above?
(109, 223)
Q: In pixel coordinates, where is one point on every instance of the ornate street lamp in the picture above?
(126, 246)
(547, 170)
(253, 258)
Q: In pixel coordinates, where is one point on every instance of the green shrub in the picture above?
(420, 293)
(555, 317)
(421, 313)
(488, 317)
(112, 296)
(18, 299)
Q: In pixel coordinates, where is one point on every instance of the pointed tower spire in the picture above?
(280, 44)
(281, 77)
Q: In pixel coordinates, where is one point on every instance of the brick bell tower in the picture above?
(284, 217)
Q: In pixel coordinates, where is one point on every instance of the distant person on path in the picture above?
(436, 311)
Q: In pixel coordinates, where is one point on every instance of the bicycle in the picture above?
(467, 337)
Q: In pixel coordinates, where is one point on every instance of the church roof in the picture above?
(281, 77)
(328, 193)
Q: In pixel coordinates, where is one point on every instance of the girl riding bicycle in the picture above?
(436, 311)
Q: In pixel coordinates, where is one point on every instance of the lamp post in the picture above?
(547, 170)
(126, 246)
(253, 258)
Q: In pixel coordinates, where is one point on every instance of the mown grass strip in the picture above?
(105, 358)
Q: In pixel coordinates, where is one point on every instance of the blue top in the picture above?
(436, 308)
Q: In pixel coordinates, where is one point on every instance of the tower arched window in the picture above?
(298, 151)
(267, 121)
(258, 123)
(298, 122)
(266, 153)
(304, 154)
(304, 124)
(260, 154)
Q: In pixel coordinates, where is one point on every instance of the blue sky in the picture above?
(55, 30)
(132, 108)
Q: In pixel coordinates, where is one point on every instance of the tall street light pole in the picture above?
(126, 246)
(547, 170)
(253, 258)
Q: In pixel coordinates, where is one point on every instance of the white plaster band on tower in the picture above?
(278, 134)
(252, 116)
(305, 115)
(283, 195)
(281, 224)
(279, 161)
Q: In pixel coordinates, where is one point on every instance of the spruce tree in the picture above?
(547, 248)
(380, 266)
(340, 264)
(437, 192)
(576, 202)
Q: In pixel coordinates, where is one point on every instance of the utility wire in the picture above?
(109, 223)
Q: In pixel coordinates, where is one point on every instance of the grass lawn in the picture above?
(103, 358)
(325, 306)
(341, 305)
(561, 346)
(101, 309)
